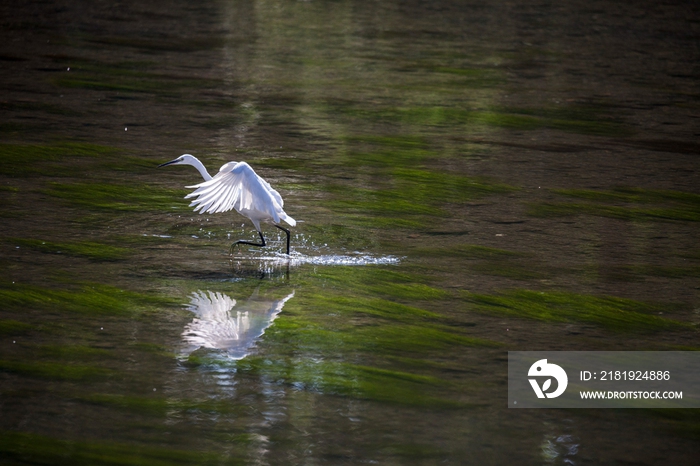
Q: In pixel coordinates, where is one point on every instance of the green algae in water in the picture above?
(405, 186)
(583, 121)
(37, 107)
(53, 370)
(91, 298)
(55, 151)
(473, 77)
(471, 251)
(415, 451)
(368, 326)
(407, 291)
(492, 261)
(682, 422)
(286, 163)
(393, 151)
(613, 313)
(393, 206)
(634, 195)
(372, 306)
(129, 198)
(162, 86)
(381, 336)
(89, 249)
(30, 448)
(169, 44)
(352, 380)
(132, 77)
(31, 159)
(638, 271)
(668, 272)
(159, 406)
(72, 352)
(414, 339)
(413, 197)
(14, 327)
(624, 213)
(387, 158)
(382, 282)
(509, 270)
(668, 205)
(394, 142)
(441, 186)
(344, 379)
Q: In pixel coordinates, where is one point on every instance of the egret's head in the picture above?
(184, 159)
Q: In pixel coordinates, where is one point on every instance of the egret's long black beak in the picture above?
(168, 163)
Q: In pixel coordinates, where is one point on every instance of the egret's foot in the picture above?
(287, 232)
(249, 243)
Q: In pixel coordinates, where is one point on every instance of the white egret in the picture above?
(237, 186)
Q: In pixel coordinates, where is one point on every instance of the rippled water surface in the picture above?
(468, 178)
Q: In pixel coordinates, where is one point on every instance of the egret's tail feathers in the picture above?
(290, 220)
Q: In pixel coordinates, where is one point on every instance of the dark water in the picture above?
(469, 178)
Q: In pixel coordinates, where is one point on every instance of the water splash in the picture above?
(298, 259)
(305, 251)
(334, 259)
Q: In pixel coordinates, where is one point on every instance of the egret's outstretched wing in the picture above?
(238, 187)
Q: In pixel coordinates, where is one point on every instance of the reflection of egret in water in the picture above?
(219, 326)
(559, 448)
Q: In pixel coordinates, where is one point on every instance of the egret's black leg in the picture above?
(286, 231)
(250, 243)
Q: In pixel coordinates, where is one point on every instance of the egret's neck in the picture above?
(200, 167)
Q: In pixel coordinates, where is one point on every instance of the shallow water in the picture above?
(469, 178)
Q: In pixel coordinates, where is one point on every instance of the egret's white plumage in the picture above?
(238, 187)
